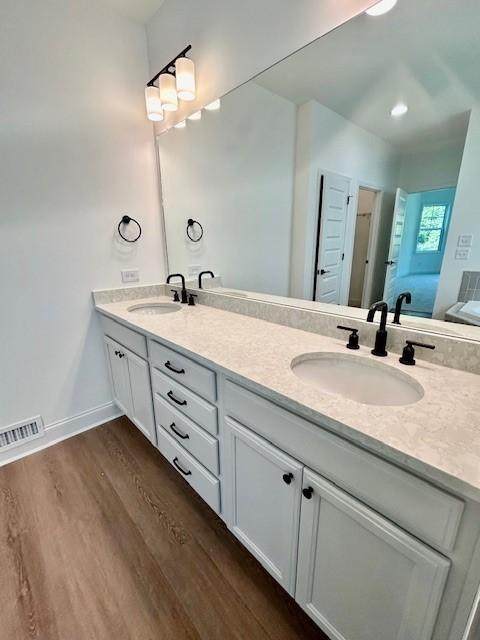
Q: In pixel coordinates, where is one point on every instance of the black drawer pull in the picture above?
(176, 400)
(185, 473)
(183, 436)
(171, 368)
(308, 492)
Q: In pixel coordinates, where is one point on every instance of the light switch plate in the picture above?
(462, 254)
(465, 240)
(130, 275)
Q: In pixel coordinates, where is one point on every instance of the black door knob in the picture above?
(287, 478)
(307, 492)
(324, 271)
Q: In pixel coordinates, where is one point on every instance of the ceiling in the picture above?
(138, 10)
(425, 54)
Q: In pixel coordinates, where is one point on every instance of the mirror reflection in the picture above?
(343, 175)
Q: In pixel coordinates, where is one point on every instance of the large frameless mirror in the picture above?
(345, 174)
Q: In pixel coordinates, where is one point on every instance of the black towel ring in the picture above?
(127, 220)
(190, 223)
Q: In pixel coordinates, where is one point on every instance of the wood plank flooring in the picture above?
(101, 539)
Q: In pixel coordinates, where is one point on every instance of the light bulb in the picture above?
(168, 92)
(153, 103)
(213, 106)
(384, 6)
(185, 73)
(195, 116)
(398, 110)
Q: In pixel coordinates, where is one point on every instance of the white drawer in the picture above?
(184, 400)
(206, 485)
(418, 506)
(129, 338)
(186, 371)
(198, 442)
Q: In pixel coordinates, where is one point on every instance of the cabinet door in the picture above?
(359, 576)
(264, 509)
(142, 404)
(119, 375)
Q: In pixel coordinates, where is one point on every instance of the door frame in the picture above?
(318, 222)
(372, 240)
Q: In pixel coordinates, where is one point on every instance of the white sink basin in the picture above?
(357, 378)
(154, 308)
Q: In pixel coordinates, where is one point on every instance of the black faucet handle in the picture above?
(175, 295)
(420, 344)
(408, 355)
(353, 338)
(191, 299)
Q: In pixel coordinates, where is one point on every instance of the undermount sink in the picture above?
(154, 308)
(357, 378)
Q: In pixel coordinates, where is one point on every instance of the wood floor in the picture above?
(101, 539)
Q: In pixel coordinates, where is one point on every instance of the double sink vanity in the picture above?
(354, 480)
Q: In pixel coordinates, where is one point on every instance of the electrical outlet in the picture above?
(130, 275)
(194, 270)
(462, 254)
(465, 240)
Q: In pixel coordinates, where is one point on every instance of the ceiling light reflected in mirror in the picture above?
(399, 110)
(382, 7)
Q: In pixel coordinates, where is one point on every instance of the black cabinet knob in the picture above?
(307, 492)
(287, 478)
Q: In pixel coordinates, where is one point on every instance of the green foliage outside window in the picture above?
(431, 229)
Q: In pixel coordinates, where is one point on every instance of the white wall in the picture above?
(465, 220)
(233, 171)
(434, 168)
(328, 142)
(233, 41)
(77, 152)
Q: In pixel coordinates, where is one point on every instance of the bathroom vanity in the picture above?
(367, 514)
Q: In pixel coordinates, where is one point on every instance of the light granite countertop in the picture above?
(438, 436)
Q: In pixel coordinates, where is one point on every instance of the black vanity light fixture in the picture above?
(176, 81)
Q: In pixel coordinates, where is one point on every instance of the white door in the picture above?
(117, 364)
(359, 576)
(264, 487)
(331, 242)
(398, 225)
(142, 407)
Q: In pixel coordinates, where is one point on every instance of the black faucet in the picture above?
(204, 273)
(184, 299)
(407, 296)
(381, 337)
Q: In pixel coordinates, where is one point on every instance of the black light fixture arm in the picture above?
(170, 67)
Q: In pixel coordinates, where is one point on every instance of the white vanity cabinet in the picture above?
(370, 550)
(264, 510)
(130, 377)
(361, 577)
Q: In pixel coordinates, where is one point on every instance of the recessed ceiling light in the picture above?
(399, 109)
(384, 6)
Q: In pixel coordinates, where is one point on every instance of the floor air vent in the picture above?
(17, 434)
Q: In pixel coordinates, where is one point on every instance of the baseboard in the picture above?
(63, 429)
